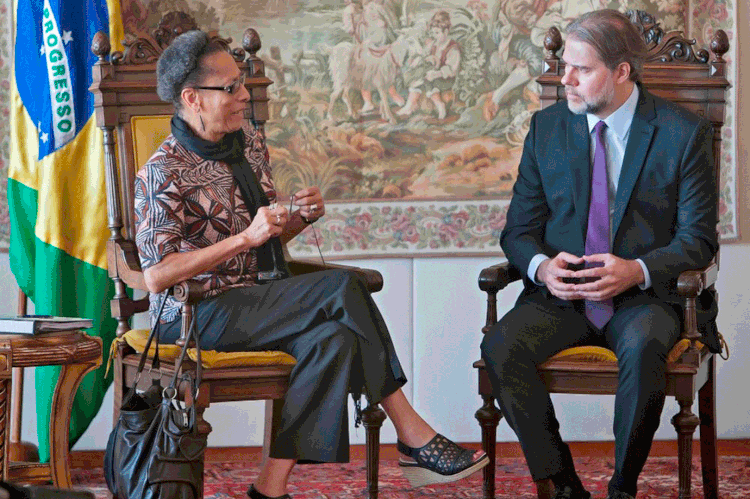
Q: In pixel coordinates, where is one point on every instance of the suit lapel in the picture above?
(639, 142)
(580, 167)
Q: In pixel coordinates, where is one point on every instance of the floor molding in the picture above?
(660, 448)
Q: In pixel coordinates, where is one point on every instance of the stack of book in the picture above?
(41, 324)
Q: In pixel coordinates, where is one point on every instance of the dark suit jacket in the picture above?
(665, 211)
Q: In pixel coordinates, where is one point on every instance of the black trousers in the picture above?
(641, 333)
(330, 324)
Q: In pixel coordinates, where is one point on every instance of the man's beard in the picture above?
(593, 107)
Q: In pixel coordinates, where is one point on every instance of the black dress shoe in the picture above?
(618, 494)
(253, 493)
(568, 493)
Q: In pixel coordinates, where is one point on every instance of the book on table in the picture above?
(41, 324)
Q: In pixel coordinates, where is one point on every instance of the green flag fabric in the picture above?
(56, 184)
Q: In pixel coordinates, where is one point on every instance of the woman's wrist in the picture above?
(245, 242)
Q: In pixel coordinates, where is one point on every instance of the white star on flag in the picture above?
(67, 36)
(44, 136)
(42, 50)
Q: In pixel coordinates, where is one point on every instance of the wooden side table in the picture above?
(77, 353)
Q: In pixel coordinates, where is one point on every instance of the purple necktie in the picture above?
(597, 234)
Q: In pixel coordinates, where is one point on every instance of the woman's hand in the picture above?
(310, 202)
(268, 222)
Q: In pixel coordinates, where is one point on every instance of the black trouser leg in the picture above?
(330, 324)
(641, 337)
(314, 418)
(533, 331)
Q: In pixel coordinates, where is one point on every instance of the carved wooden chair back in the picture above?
(695, 79)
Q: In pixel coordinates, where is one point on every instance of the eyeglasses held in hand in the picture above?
(320, 252)
(231, 89)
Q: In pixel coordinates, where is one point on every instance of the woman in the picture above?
(202, 213)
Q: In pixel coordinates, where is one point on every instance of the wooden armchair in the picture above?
(134, 122)
(677, 72)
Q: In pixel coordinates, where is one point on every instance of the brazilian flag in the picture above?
(56, 186)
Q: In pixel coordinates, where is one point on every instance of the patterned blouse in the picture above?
(184, 203)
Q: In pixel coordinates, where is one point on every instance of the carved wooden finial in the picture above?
(251, 42)
(238, 54)
(100, 46)
(720, 45)
(553, 42)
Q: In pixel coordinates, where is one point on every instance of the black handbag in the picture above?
(155, 450)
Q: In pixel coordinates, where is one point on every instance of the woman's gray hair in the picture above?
(179, 66)
(614, 38)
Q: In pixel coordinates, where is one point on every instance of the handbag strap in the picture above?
(170, 393)
(144, 355)
(192, 334)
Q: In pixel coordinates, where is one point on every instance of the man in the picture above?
(615, 196)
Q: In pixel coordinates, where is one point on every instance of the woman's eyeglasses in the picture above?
(231, 89)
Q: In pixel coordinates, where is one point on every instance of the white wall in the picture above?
(435, 312)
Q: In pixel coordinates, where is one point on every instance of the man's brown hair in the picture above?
(614, 38)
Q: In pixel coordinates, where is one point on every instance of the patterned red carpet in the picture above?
(658, 480)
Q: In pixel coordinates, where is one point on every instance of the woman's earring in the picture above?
(203, 125)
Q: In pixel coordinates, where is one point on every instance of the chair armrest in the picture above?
(692, 282)
(187, 292)
(123, 262)
(493, 279)
(373, 279)
(192, 293)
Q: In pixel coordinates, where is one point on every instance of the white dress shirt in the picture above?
(616, 137)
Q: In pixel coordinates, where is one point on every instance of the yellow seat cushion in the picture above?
(210, 359)
(585, 354)
(599, 354)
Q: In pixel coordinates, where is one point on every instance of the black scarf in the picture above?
(231, 150)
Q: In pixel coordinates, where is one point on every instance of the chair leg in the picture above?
(70, 378)
(685, 423)
(373, 417)
(707, 414)
(118, 380)
(489, 417)
(204, 427)
(6, 373)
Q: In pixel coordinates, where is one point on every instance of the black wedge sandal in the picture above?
(253, 493)
(439, 461)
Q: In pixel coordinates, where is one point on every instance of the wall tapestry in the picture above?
(410, 115)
